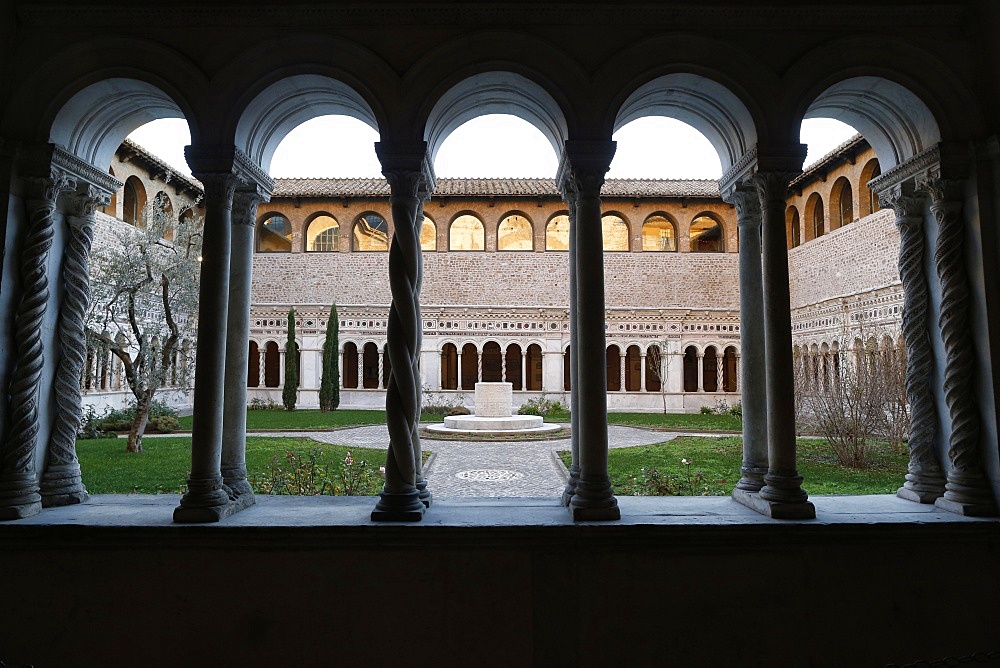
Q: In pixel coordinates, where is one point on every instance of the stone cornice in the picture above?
(917, 166)
(729, 16)
(737, 172)
(84, 172)
(224, 159)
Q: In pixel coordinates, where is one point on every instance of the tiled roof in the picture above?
(171, 173)
(496, 187)
(823, 164)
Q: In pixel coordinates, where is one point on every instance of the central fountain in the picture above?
(493, 415)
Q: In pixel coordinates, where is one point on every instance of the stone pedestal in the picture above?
(493, 400)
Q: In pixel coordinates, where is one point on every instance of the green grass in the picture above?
(163, 465)
(688, 421)
(719, 459)
(304, 419)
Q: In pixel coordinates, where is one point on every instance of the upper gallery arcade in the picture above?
(68, 107)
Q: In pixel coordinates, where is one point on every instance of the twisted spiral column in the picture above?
(924, 480)
(19, 495)
(408, 177)
(61, 483)
(967, 489)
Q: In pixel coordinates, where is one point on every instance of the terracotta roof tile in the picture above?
(495, 187)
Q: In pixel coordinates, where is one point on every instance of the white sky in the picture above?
(339, 146)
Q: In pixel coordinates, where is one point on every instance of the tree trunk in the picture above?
(139, 424)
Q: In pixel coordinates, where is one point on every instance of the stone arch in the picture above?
(322, 233)
(794, 226)
(350, 365)
(370, 365)
(287, 103)
(703, 103)
(512, 366)
(557, 232)
(428, 235)
(253, 365)
(492, 362)
(533, 367)
(633, 368)
(616, 231)
(710, 372)
(730, 370)
(466, 233)
(274, 233)
(495, 92)
(815, 218)
(707, 233)
(659, 233)
(868, 198)
(896, 123)
(133, 201)
(162, 202)
(515, 232)
(272, 364)
(94, 122)
(449, 366)
(613, 361)
(690, 370)
(370, 232)
(470, 366)
(841, 203)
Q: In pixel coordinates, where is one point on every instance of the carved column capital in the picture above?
(407, 168)
(245, 203)
(582, 168)
(747, 202)
(772, 187)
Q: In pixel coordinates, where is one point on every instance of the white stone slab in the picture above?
(493, 400)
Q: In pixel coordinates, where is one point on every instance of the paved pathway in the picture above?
(488, 469)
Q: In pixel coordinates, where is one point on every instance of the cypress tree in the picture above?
(329, 384)
(291, 389)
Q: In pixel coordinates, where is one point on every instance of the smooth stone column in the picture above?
(19, 491)
(206, 500)
(782, 493)
(574, 376)
(581, 175)
(61, 482)
(410, 178)
(234, 419)
(752, 383)
(925, 479)
(701, 372)
(967, 491)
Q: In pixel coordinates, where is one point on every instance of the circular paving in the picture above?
(489, 475)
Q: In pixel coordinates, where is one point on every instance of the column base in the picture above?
(594, 502)
(570, 491)
(777, 510)
(206, 501)
(19, 497)
(62, 486)
(922, 488)
(968, 495)
(423, 494)
(752, 478)
(405, 507)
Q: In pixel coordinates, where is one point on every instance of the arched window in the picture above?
(272, 365)
(449, 367)
(613, 360)
(658, 234)
(633, 369)
(729, 369)
(794, 227)
(162, 204)
(274, 235)
(133, 201)
(350, 374)
(557, 233)
(690, 369)
(655, 368)
(253, 366)
(842, 203)
(323, 234)
(615, 231)
(371, 233)
(533, 366)
(369, 367)
(466, 234)
(706, 235)
(512, 360)
(868, 199)
(428, 235)
(814, 215)
(515, 234)
(470, 366)
(710, 370)
(567, 371)
(386, 365)
(492, 363)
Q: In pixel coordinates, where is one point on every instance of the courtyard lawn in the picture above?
(684, 421)
(163, 466)
(714, 468)
(280, 420)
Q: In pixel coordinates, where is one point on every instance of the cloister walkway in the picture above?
(487, 468)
